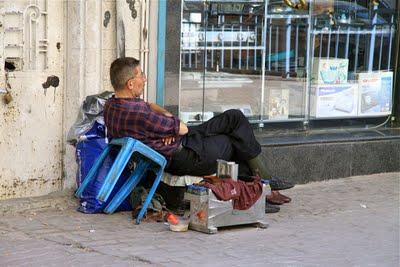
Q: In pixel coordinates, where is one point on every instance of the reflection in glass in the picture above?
(279, 61)
(352, 60)
(222, 48)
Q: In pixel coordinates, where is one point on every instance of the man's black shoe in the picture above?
(269, 208)
(279, 184)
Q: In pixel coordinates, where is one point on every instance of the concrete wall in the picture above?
(31, 120)
(86, 57)
(303, 163)
(91, 47)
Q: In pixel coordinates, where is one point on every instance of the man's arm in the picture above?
(156, 108)
(183, 129)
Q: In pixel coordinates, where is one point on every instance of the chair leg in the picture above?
(114, 173)
(128, 186)
(150, 195)
(92, 172)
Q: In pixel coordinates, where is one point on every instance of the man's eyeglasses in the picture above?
(142, 75)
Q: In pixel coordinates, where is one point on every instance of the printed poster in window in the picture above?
(375, 96)
(278, 108)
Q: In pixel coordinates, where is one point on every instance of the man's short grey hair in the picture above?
(121, 71)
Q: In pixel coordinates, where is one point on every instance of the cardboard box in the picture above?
(330, 71)
(375, 93)
(278, 104)
(336, 100)
(244, 108)
(195, 116)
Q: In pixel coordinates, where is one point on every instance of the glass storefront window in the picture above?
(352, 59)
(287, 33)
(308, 62)
(222, 46)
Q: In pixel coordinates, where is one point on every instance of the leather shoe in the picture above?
(279, 184)
(275, 198)
(269, 208)
(283, 197)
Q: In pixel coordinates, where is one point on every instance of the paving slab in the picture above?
(343, 222)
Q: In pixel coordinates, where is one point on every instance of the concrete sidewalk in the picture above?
(346, 222)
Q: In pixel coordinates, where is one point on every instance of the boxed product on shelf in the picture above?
(244, 108)
(195, 116)
(375, 93)
(334, 100)
(278, 104)
(330, 70)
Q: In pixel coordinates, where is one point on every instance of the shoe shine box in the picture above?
(330, 70)
(375, 93)
(334, 100)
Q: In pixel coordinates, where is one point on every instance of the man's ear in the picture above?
(130, 83)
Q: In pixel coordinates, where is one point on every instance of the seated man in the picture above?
(192, 150)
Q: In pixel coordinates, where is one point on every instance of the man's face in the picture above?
(136, 84)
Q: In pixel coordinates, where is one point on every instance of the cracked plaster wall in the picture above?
(34, 156)
(31, 124)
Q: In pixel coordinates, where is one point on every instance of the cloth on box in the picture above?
(243, 193)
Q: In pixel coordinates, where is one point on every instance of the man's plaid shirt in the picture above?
(132, 117)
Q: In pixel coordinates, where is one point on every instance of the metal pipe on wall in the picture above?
(120, 6)
(142, 40)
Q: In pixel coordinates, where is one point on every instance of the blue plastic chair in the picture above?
(145, 158)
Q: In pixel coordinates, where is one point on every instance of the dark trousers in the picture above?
(227, 136)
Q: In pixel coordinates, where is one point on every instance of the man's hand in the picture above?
(168, 140)
(183, 129)
(168, 114)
